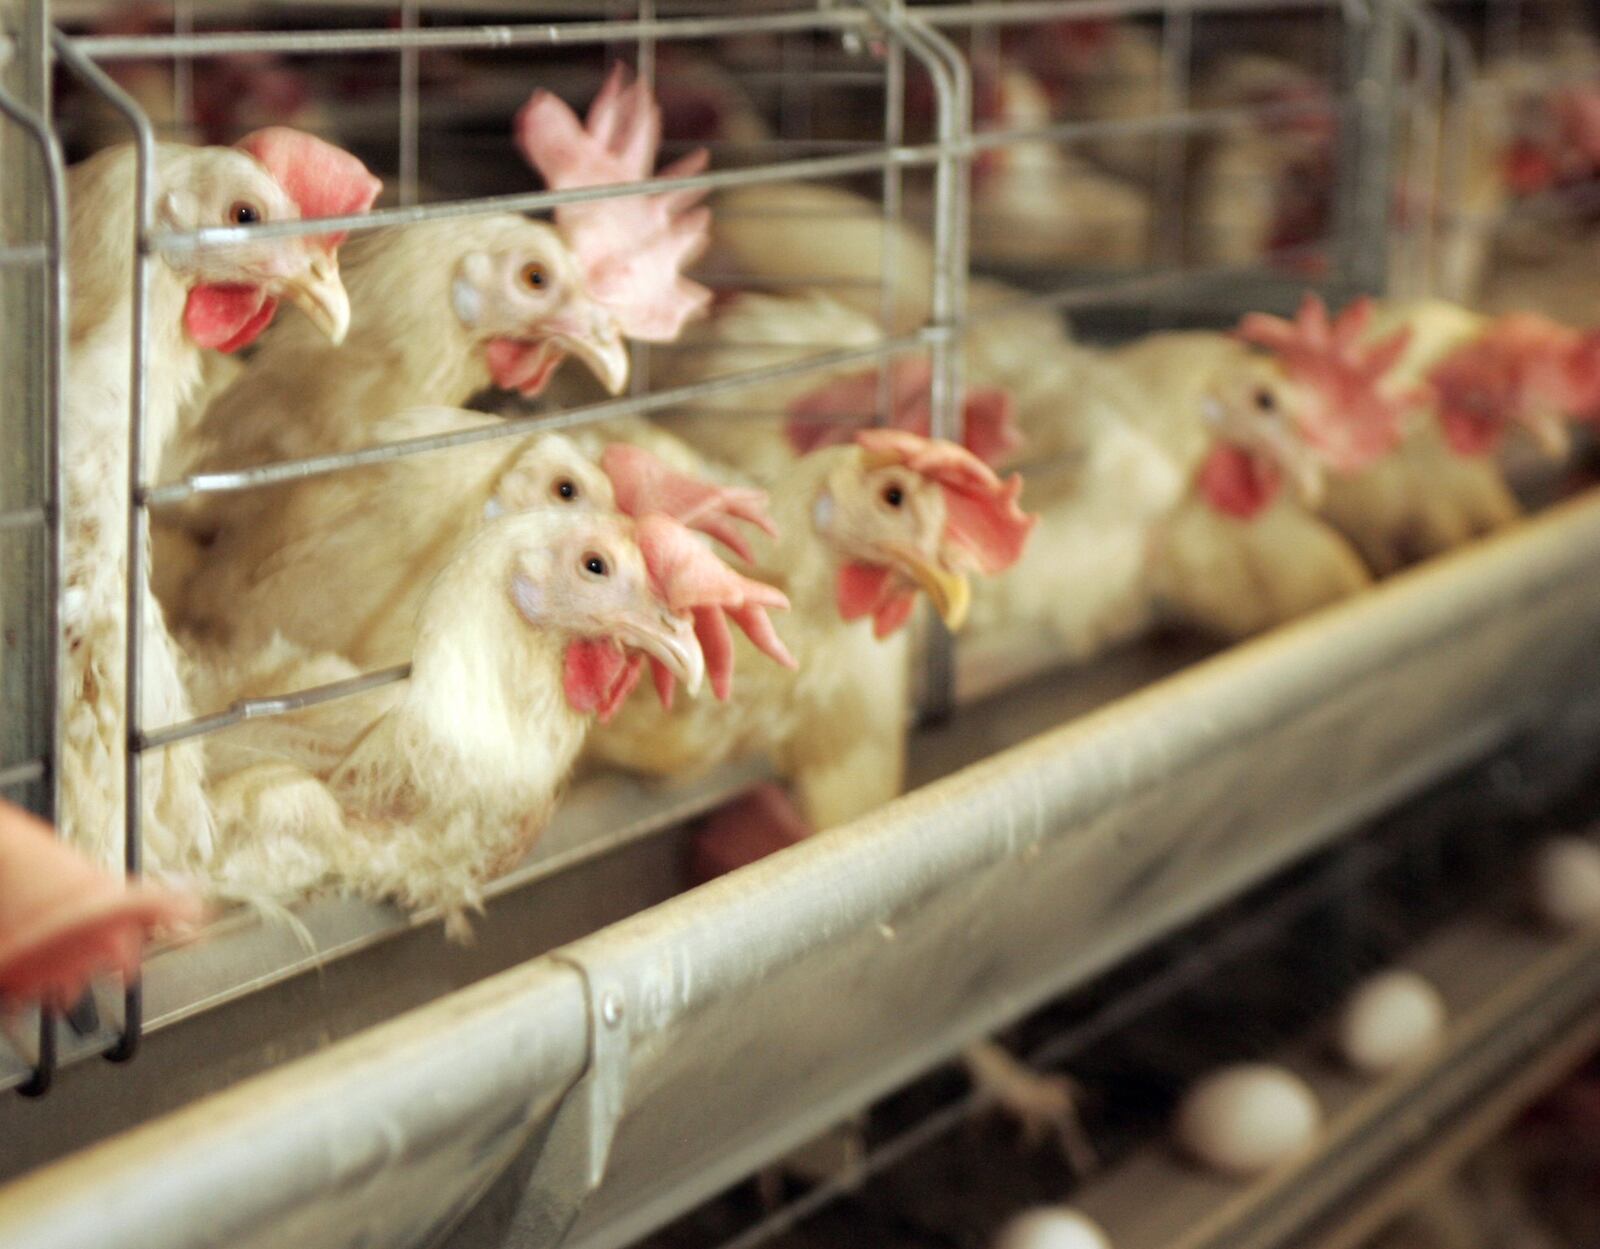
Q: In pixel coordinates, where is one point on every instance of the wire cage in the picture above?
(900, 151)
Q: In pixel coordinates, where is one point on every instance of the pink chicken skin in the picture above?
(64, 921)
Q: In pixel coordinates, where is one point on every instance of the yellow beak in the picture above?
(950, 591)
(590, 333)
(670, 639)
(319, 293)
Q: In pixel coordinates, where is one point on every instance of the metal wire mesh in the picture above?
(901, 104)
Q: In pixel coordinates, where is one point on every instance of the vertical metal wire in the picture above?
(138, 518)
(952, 84)
(183, 70)
(1172, 149)
(1449, 192)
(409, 71)
(893, 195)
(1426, 111)
(37, 128)
(645, 67)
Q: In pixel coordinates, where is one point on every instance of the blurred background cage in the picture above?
(1129, 165)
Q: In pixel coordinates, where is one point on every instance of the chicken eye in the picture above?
(1266, 400)
(894, 496)
(243, 213)
(595, 565)
(533, 276)
(566, 488)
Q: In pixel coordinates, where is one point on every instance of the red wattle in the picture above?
(598, 676)
(1236, 483)
(226, 317)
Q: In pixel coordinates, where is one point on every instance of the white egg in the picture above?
(1052, 1227)
(1393, 1018)
(1566, 883)
(1246, 1119)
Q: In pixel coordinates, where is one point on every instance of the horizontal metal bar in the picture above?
(1124, 289)
(815, 168)
(23, 517)
(20, 773)
(461, 38)
(312, 466)
(1007, 14)
(533, 201)
(25, 254)
(1189, 121)
(273, 705)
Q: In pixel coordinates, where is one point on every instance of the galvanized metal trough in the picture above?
(615, 1081)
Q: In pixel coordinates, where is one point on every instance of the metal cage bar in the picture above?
(48, 514)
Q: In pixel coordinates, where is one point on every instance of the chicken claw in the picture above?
(1043, 1105)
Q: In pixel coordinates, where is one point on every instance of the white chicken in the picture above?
(861, 528)
(446, 309)
(217, 298)
(349, 557)
(1239, 556)
(419, 792)
(1099, 481)
(1478, 380)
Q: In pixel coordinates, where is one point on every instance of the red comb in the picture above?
(633, 249)
(1521, 364)
(1351, 420)
(644, 484)
(983, 519)
(325, 181)
(689, 577)
(831, 413)
(63, 920)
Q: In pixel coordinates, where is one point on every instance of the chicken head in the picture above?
(1524, 372)
(527, 303)
(273, 175)
(583, 578)
(908, 513)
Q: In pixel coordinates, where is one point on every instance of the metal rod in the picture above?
(50, 512)
(24, 254)
(952, 185)
(183, 68)
(138, 519)
(460, 38)
(408, 107)
(23, 517)
(957, 147)
(273, 705)
(22, 773)
(1177, 46)
(1009, 13)
(312, 466)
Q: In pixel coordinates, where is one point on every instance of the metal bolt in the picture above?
(611, 1009)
